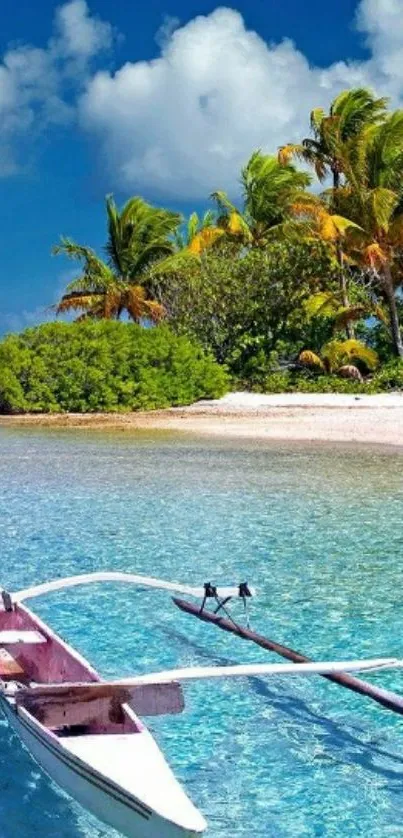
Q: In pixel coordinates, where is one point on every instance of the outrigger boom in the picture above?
(202, 673)
(205, 591)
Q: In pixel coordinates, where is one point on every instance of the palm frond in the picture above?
(356, 109)
(344, 225)
(175, 263)
(91, 304)
(379, 312)
(139, 234)
(269, 189)
(316, 119)
(322, 304)
(138, 307)
(374, 255)
(337, 353)
(349, 314)
(287, 152)
(114, 244)
(382, 203)
(309, 359)
(79, 253)
(223, 202)
(153, 311)
(205, 239)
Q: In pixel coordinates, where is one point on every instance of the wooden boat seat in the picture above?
(73, 701)
(14, 636)
(70, 714)
(10, 669)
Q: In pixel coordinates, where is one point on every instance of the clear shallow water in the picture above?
(318, 530)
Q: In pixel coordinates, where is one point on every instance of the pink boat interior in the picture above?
(51, 661)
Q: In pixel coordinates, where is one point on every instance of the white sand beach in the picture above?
(326, 417)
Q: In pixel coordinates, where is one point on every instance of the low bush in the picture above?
(103, 366)
(387, 378)
(290, 382)
(390, 377)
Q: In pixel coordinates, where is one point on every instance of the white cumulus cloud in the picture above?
(79, 35)
(382, 23)
(184, 123)
(34, 81)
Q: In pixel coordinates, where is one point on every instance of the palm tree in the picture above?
(374, 198)
(341, 357)
(335, 136)
(138, 236)
(194, 229)
(327, 304)
(269, 190)
(351, 112)
(316, 220)
(199, 235)
(191, 241)
(99, 293)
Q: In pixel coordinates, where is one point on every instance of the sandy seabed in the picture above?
(290, 416)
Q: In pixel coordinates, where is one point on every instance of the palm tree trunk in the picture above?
(350, 332)
(389, 290)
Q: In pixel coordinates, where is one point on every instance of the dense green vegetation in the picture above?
(250, 311)
(269, 285)
(388, 378)
(103, 366)
(292, 289)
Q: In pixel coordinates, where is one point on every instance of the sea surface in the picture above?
(318, 530)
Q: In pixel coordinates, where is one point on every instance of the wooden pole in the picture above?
(387, 699)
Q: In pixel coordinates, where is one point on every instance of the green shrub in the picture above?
(335, 384)
(11, 393)
(290, 382)
(245, 304)
(278, 382)
(103, 366)
(390, 377)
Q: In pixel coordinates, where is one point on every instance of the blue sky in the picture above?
(161, 98)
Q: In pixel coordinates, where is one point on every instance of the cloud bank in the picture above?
(183, 124)
(39, 86)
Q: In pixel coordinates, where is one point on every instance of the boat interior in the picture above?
(30, 654)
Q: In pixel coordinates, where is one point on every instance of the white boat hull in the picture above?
(104, 799)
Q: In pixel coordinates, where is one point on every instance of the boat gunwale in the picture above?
(54, 636)
(54, 745)
(48, 740)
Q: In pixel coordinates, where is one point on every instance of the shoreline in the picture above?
(293, 417)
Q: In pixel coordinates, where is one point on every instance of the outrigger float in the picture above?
(87, 733)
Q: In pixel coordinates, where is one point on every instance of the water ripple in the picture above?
(318, 530)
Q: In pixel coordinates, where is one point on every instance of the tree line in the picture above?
(303, 276)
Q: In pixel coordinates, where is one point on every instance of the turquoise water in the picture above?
(318, 531)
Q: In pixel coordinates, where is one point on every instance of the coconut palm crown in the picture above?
(138, 236)
(269, 189)
(350, 113)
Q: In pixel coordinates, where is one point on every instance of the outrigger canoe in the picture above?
(88, 735)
